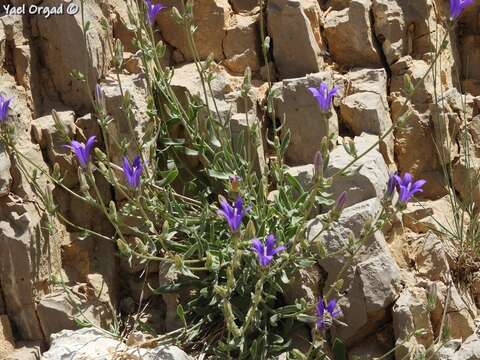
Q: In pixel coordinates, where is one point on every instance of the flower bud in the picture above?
(220, 291)
(235, 183)
(84, 187)
(100, 99)
(100, 154)
(318, 165)
(113, 209)
(341, 201)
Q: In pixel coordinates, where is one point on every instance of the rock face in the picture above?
(368, 176)
(303, 119)
(242, 44)
(348, 45)
(137, 121)
(210, 16)
(372, 283)
(92, 344)
(61, 58)
(402, 279)
(297, 43)
(411, 313)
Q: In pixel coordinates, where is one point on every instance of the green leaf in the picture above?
(181, 313)
(284, 277)
(294, 182)
(218, 175)
(168, 177)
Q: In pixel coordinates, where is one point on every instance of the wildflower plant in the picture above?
(235, 256)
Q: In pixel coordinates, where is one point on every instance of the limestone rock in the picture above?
(93, 344)
(57, 311)
(211, 18)
(372, 283)
(374, 346)
(119, 129)
(307, 124)
(7, 342)
(469, 350)
(242, 44)
(52, 140)
(411, 313)
(5, 176)
(459, 313)
(368, 112)
(305, 284)
(398, 25)
(187, 81)
(303, 174)
(447, 351)
(368, 80)
(366, 179)
(61, 58)
(239, 125)
(86, 343)
(349, 38)
(465, 173)
(29, 256)
(416, 130)
(297, 43)
(25, 351)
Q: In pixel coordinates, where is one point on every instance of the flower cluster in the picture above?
(132, 172)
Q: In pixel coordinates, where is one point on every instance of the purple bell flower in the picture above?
(324, 96)
(82, 151)
(408, 187)
(457, 7)
(133, 172)
(265, 252)
(4, 107)
(233, 214)
(327, 313)
(153, 10)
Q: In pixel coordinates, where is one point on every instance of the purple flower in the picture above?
(327, 313)
(408, 187)
(153, 10)
(82, 151)
(324, 96)
(457, 7)
(266, 252)
(4, 104)
(235, 214)
(134, 172)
